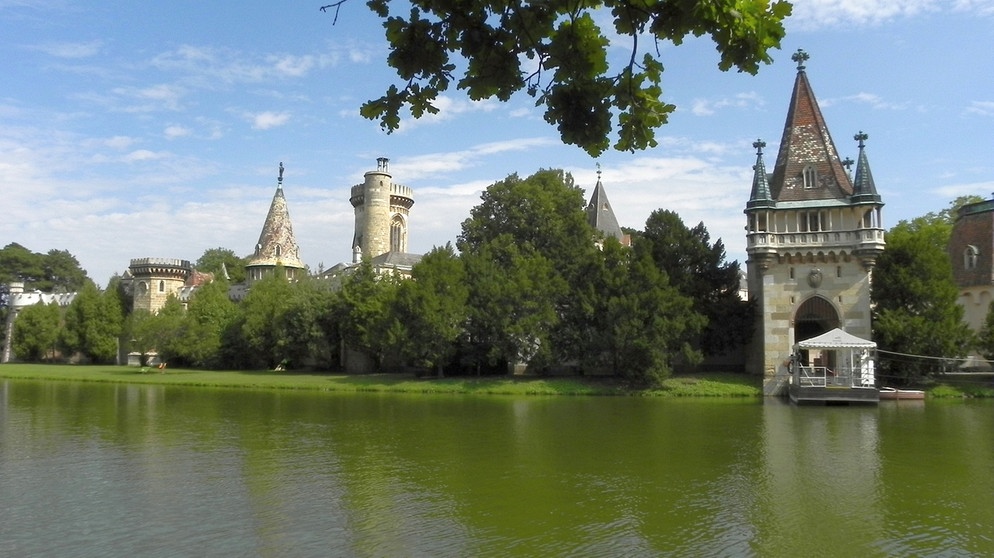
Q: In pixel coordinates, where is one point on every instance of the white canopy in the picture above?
(836, 339)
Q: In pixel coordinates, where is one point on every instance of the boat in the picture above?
(889, 393)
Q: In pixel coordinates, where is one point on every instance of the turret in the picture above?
(381, 213)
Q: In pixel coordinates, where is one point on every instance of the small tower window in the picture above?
(162, 286)
(279, 250)
(970, 256)
(810, 175)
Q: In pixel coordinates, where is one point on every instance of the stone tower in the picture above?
(154, 279)
(277, 246)
(381, 213)
(813, 237)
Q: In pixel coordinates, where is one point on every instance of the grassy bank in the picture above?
(710, 385)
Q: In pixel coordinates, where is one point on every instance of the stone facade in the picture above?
(382, 209)
(152, 280)
(813, 236)
(971, 253)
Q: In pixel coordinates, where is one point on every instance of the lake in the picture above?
(121, 470)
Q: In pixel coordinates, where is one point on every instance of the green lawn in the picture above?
(710, 385)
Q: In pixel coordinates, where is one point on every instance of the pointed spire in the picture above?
(600, 215)
(808, 165)
(277, 244)
(760, 196)
(863, 187)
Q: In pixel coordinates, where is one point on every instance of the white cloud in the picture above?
(953, 191)
(871, 99)
(268, 119)
(983, 108)
(175, 131)
(150, 99)
(70, 50)
(143, 155)
(707, 107)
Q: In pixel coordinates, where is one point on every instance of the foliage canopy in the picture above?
(557, 52)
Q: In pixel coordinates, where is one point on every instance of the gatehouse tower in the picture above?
(813, 236)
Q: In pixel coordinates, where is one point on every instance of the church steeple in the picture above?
(277, 245)
(863, 187)
(600, 214)
(760, 196)
(808, 165)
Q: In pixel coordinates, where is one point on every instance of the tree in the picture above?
(557, 52)
(93, 322)
(915, 302)
(985, 337)
(432, 309)
(56, 271)
(209, 313)
(264, 342)
(217, 260)
(36, 332)
(697, 268)
(166, 330)
(537, 222)
(308, 325)
(363, 308)
(637, 322)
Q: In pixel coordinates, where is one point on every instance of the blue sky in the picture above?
(136, 129)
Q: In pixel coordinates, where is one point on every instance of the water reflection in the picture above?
(97, 470)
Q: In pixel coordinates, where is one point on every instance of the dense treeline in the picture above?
(530, 284)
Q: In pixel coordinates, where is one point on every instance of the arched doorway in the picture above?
(815, 316)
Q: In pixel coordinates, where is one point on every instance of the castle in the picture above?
(813, 233)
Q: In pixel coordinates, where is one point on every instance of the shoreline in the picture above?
(699, 385)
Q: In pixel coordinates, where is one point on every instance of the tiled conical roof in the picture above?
(277, 245)
(600, 215)
(808, 165)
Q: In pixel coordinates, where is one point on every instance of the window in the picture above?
(970, 256)
(810, 175)
(279, 250)
(162, 286)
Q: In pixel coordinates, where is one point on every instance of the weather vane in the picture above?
(279, 180)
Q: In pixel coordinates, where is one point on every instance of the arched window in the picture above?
(162, 286)
(970, 256)
(810, 175)
(398, 235)
(279, 250)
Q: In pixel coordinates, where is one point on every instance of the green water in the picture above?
(114, 470)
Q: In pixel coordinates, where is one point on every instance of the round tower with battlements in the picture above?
(381, 213)
(154, 279)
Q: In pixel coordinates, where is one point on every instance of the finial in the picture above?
(800, 56)
(861, 137)
(279, 180)
(759, 145)
(598, 172)
(848, 163)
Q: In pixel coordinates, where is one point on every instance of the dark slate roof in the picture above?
(760, 196)
(402, 260)
(864, 190)
(600, 214)
(277, 232)
(805, 142)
